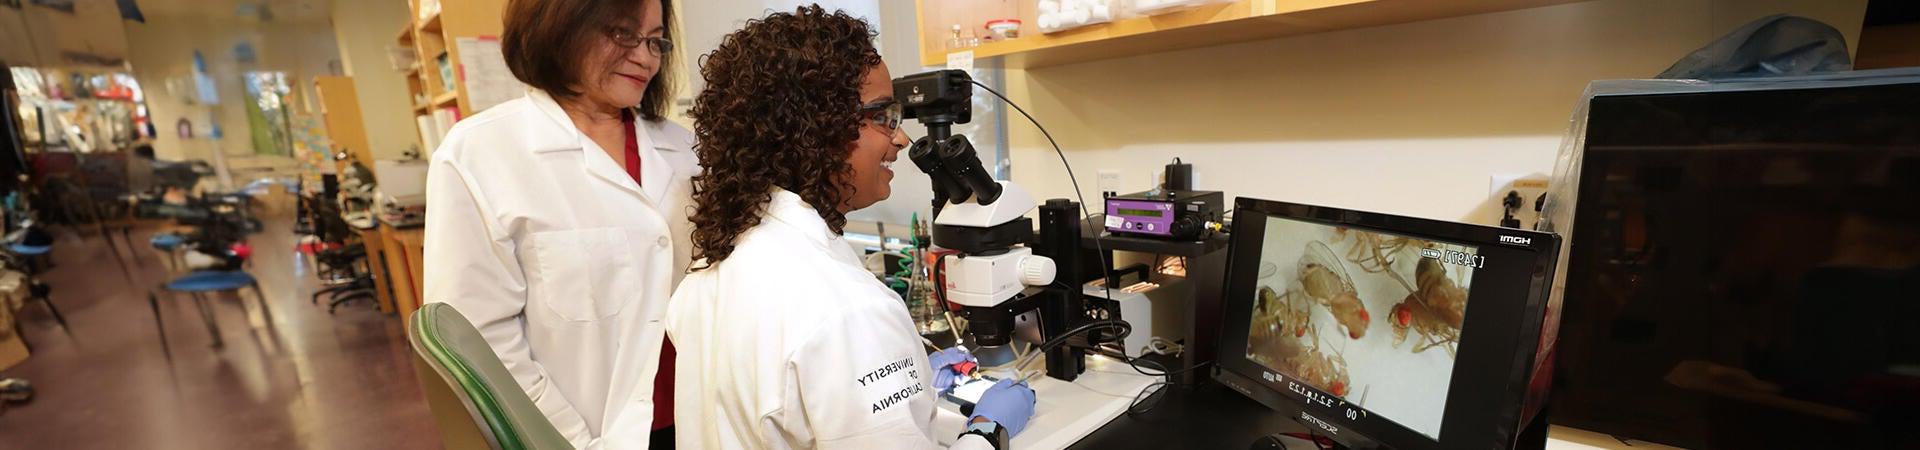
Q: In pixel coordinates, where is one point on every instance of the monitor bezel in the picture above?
(1490, 374)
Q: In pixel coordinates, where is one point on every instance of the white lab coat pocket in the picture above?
(584, 275)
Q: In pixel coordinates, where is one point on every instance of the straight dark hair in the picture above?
(546, 42)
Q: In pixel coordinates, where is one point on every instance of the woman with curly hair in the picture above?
(559, 223)
(786, 341)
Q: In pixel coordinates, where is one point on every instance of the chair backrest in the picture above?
(503, 412)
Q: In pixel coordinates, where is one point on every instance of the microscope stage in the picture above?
(1068, 412)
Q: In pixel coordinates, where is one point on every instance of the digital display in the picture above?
(1139, 212)
(1360, 321)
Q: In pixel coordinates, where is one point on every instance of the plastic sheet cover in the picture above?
(1562, 189)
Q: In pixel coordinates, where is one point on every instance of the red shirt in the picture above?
(663, 381)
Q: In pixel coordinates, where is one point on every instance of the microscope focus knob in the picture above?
(1037, 271)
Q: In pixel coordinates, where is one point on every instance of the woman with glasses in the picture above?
(788, 341)
(557, 222)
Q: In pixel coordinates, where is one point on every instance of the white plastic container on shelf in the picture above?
(402, 58)
(1061, 15)
(1003, 29)
(1152, 7)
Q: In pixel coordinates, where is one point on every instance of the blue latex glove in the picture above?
(943, 371)
(1009, 403)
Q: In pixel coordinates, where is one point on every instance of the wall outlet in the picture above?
(1110, 181)
(1529, 186)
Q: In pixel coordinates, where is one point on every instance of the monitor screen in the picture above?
(1375, 323)
(1371, 318)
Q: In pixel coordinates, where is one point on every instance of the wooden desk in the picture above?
(377, 263)
(405, 259)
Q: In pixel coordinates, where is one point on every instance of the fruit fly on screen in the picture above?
(1435, 306)
(1325, 281)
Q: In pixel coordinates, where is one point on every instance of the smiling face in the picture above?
(617, 76)
(870, 163)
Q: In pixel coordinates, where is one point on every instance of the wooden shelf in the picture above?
(432, 23)
(406, 37)
(445, 99)
(421, 109)
(1241, 21)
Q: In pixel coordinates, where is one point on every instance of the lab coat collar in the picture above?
(787, 207)
(655, 172)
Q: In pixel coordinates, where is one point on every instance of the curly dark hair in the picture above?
(779, 110)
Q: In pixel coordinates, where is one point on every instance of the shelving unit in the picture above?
(431, 24)
(434, 36)
(431, 37)
(1205, 275)
(1240, 21)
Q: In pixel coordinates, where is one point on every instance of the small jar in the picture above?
(1004, 29)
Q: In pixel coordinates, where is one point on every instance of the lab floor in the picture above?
(302, 379)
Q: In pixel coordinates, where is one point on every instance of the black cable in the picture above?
(1126, 329)
(1106, 268)
(1134, 363)
(1143, 396)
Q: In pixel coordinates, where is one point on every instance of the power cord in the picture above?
(1106, 268)
(1148, 397)
(1163, 346)
(1126, 329)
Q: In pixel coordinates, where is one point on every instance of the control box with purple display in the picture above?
(1168, 214)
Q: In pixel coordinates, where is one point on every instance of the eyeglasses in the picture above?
(627, 38)
(886, 113)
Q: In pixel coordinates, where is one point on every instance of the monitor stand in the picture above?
(1302, 436)
(1296, 441)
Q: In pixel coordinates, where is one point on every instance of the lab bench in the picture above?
(402, 253)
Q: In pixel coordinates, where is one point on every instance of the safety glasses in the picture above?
(885, 113)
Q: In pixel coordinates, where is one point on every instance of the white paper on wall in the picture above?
(484, 70)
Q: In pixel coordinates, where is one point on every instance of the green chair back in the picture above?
(503, 413)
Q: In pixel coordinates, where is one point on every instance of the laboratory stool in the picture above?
(472, 381)
(198, 284)
(32, 257)
(169, 243)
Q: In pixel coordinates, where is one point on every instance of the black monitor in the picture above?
(1384, 330)
(1744, 267)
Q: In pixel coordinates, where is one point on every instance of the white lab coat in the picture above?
(791, 343)
(565, 265)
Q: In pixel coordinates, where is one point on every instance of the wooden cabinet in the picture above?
(1240, 21)
(340, 109)
(403, 251)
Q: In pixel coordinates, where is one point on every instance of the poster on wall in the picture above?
(204, 89)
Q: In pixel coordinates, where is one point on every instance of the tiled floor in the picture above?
(299, 379)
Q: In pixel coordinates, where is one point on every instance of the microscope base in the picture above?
(1068, 412)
